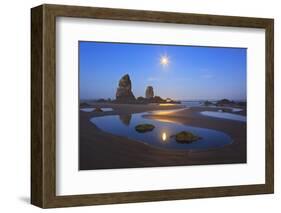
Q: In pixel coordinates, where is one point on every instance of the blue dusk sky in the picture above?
(189, 73)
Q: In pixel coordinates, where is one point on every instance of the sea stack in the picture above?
(124, 92)
(149, 93)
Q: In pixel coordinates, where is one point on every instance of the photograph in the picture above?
(140, 105)
(158, 105)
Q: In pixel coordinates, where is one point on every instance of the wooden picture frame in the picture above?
(43, 105)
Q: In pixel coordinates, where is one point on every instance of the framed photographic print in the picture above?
(136, 106)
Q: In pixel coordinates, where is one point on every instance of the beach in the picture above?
(103, 150)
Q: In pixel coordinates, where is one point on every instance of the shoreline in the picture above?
(100, 150)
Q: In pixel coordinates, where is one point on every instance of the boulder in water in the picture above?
(142, 128)
(185, 137)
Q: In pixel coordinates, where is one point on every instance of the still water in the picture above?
(160, 136)
(90, 109)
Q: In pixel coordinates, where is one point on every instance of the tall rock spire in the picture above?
(149, 93)
(124, 91)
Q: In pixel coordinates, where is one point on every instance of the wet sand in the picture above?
(101, 150)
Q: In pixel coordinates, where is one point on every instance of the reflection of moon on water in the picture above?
(164, 136)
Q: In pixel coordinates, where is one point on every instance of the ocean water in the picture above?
(192, 103)
(225, 115)
(233, 109)
(201, 103)
(161, 135)
(219, 113)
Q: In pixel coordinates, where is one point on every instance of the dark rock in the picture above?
(84, 104)
(224, 102)
(149, 93)
(242, 103)
(124, 92)
(142, 100)
(98, 109)
(158, 99)
(142, 128)
(185, 137)
(208, 103)
(101, 100)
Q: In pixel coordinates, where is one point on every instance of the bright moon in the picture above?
(164, 60)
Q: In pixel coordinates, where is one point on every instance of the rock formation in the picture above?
(142, 128)
(125, 95)
(186, 137)
(224, 102)
(98, 109)
(149, 93)
(124, 91)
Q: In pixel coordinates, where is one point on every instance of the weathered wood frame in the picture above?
(43, 105)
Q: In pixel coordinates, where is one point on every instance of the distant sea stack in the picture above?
(124, 92)
(149, 93)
